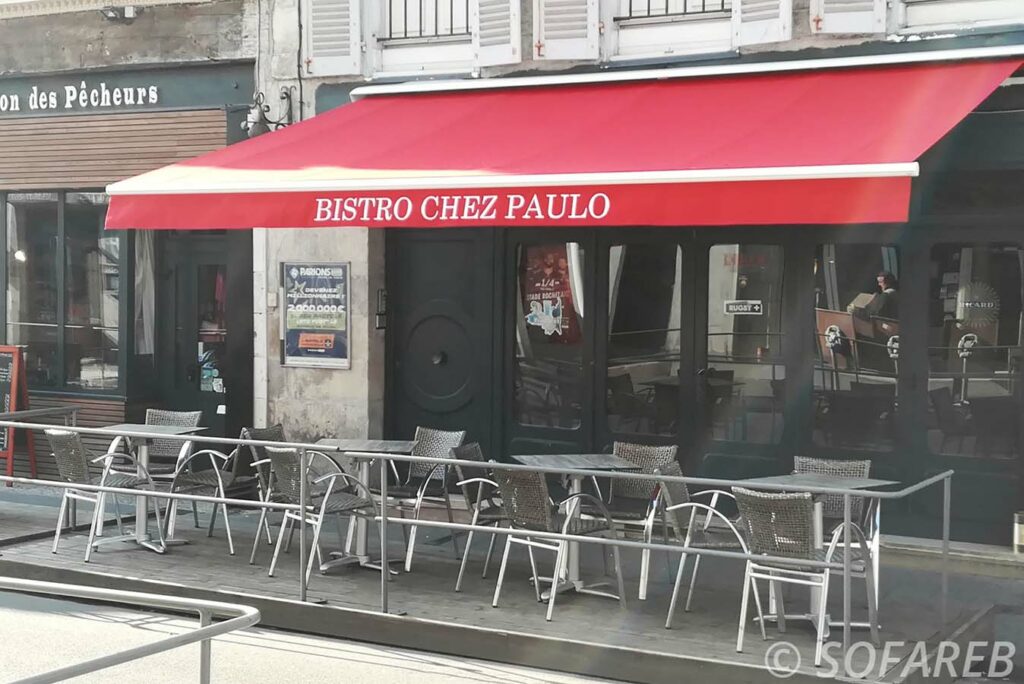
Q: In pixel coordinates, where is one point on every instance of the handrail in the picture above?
(383, 518)
(406, 458)
(240, 617)
(33, 413)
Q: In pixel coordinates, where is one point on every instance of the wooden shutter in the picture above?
(761, 21)
(497, 38)
(848, 16)
(332, 39)
(566, 29)
(91, 150)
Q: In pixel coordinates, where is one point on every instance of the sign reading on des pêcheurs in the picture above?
(316, 314)
(77, 97)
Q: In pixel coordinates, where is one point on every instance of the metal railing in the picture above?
(384, 520)
(239, 617)
(670, 9)
(427, 18)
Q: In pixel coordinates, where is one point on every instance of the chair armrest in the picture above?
(837, 535)
(212, 454)
(262, 461)
(109, 458)
(715, 492)
(116, 442)
(350, 480)
(573, 498)
(709, 511)
(481, 480)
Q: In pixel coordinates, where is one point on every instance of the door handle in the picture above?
(190, 372)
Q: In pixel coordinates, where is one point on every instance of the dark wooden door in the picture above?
(194, 303)
(440, 332)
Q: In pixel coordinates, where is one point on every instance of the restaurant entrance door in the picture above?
(205, 328)
(655, 336)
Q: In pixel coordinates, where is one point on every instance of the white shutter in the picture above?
(848, 16)
(761, 21)
(565, 29)
(497, 37)
(331, 37)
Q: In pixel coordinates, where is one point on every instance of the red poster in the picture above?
(547, 294)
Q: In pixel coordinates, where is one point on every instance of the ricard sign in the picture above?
(77, 97)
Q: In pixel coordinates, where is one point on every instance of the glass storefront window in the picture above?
(91, 285)
(32, 298)
(644, 304)
(975, 349)
(744, 378)
(63, 289)
(549, 335)
(856, 345)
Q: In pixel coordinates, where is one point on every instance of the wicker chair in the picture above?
(636, 501)
(782, 525)
(681, 514)
(426, 481)
(525, 498)
(212, 481)
(258, 455)
(480, 493)
(75, 464)
(344, 496)
(865, 513)
(832, 504)
(165, 455)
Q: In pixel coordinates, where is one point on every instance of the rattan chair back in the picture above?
(777, 523)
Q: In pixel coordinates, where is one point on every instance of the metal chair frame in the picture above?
(316, 513)
(429, 474)
(801, 549)
(219, 464)
(492, 513)
(560, 547)
(98, 499)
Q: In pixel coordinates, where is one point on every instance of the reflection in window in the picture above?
(549, 335)
(857, 345)
(212, 332)
(91, 294)
(974, 349)
(32, 315)
(644, 291)
(744, 381)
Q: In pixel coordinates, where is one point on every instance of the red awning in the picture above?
(796, 147)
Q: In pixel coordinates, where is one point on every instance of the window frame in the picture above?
(125, 266)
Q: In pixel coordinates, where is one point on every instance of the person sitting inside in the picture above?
(883, 303)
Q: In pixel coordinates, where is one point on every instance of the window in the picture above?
(91, 287)
(33, 316)
(975, 349)
(63, 290)
(856, 345)
(744, 379)
(430, 19)
(644, 304)
(549, 335)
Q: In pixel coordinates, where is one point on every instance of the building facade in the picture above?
(441, 333)
(109, 321)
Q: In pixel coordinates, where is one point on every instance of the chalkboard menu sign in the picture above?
(8, 367)
(14, 397)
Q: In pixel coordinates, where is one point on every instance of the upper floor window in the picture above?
(669, 9)
(427, 19)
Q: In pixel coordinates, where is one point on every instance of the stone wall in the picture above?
(203, 32)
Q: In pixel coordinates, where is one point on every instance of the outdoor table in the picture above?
(357, 449)
(609, 462)
(142, 536)
(812, 481)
